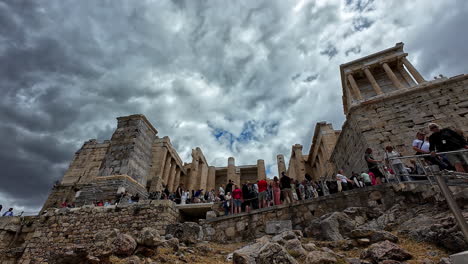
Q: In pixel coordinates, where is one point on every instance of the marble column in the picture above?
(167, 169)
(211, 184)
(417, 76)
(261, 173)
(355, 87)
(157, 179)
(392, 76)
(300, 166)
(406, 76)
(176, 179)
(281, 164)
(170, 181)
(372, 80)
(231, 171)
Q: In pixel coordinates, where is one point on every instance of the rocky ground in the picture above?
(403, 234)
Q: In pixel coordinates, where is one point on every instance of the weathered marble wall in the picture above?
(86, 162)
(130, 149)
(394, 119)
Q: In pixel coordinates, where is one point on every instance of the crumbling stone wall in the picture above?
(395, 118)
(245, 226)
(77, 227)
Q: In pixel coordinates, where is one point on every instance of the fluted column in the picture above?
(372, 80)
(281, 164)
(354, 86)
(176, 179)
(392, 76)
(261, 173)
(167, 169)
(417, 76)
(211, 184)
(231, 171)
(170, 181)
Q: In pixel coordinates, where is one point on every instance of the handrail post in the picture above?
(452, 204)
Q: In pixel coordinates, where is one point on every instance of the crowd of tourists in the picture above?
(440, 141)
(235, 197)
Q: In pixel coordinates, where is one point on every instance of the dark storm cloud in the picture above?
(255, 69)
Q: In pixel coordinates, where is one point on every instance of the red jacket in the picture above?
(262, 186)
(237, 194)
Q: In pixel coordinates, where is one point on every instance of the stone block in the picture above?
(276, 227)
(459, 258)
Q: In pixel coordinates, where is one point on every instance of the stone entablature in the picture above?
(377, 74)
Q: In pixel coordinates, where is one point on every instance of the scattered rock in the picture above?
(211, 215)
(320, 257)
(263, 254)
(148, 237)
(445, 261)
(332, 227)
(132, 260)
(426, 261)
(385, 250)
(294, 247)
(310, 247)
(188, 232)
(379, 236)
(363, 241)
(123, 245)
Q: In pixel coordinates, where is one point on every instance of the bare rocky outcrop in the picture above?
(385, 250)
(188, 232)
(320, 257)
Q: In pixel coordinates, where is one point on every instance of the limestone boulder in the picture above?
(123, 245)
(274, 253)
(385, 250)
(320, 257)
(172, 243)
(332, 227)
(188, 232)
(284, 236)
(295, 248)
(258, 253)
(381, 235)
(148, 237)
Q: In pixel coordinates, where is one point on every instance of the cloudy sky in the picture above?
(237, 78)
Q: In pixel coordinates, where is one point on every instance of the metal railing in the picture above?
(431, 165)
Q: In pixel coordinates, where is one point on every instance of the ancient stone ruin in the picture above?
(385, 100)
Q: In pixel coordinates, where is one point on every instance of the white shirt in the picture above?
(424, 146)
(342, 178)
(393, 154)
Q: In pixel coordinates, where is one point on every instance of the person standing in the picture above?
(262, 193)
(343, 180)
(285, 183)
(444, 140)
(366, 179)
(9, 212)
(373, 166)
(391, 157)
(237, 197)
(227, 203)
(276, 191)
(229, 187)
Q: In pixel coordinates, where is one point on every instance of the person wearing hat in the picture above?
(444, 140)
